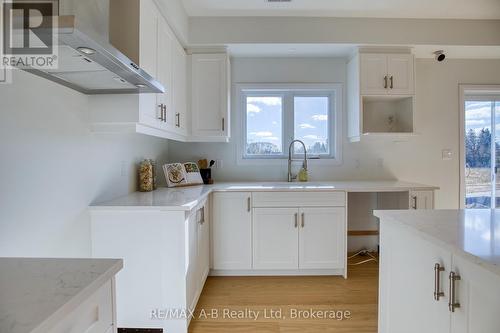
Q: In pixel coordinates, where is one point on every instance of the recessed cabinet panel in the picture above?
(401, 74)
(210, 96)
(275, 238)
(322, 238)
(408, 281)
(165, 72)
(478, 293)
(232, 231)
(373, 74)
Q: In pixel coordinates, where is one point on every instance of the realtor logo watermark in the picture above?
(28, 36)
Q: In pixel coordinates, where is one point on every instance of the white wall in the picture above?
(418, 159)
(52, 167)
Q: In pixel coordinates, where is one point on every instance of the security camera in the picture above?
(439, 55)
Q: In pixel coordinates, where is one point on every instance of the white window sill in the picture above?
(284, 162)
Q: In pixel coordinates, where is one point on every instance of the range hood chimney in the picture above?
(87, 62)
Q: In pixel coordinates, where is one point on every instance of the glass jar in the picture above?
(146, 176)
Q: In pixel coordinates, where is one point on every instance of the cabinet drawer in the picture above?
(94, 315)
(299, 199)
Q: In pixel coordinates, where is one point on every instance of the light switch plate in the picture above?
(447, 154)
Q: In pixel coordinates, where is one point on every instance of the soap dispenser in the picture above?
(303, 174)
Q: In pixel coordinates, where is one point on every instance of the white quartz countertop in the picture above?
(35, 293)
(187, 198)
(471, 234)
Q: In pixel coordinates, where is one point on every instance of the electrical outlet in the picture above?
(219, 164)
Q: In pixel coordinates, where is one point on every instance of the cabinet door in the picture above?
(165, 70)
(400, 68)
(478, 293)
(232, 231)
(407, 283)
(422, 200)
(180, 89)
(210, 95)
(203, 245)
(192, 264)
(373, 72)
(148, 41)
(322, 238)
(275, 238)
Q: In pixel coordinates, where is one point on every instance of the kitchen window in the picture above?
(271, 116)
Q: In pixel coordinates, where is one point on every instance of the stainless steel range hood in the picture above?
(92, 65)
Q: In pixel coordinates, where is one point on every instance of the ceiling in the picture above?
(463, 9)
(346, 50)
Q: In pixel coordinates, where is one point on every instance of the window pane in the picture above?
(312, 124)
(478, 142)
(264, 125)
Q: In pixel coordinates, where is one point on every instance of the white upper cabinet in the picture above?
(180, 90)
(401, 73)
(381, 94)
(387, 74)
(210, 90)
(373, 74)
(148, 40)
(166, 42)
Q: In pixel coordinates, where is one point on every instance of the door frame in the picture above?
(480, 91)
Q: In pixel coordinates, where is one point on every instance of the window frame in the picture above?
(288, 91)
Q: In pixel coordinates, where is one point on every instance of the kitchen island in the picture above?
(57, 295)
(439, 271)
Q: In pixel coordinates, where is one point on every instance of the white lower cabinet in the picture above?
(478, 292)
(275, 238)
(322, 238)
(410, 278)
(232, 231)
(279, 233)
(422, 200)
(166, 262)
(93, 315)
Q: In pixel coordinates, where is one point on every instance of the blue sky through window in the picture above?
(264, 125)
(312, 123)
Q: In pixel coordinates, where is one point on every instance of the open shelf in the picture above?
(388, 115)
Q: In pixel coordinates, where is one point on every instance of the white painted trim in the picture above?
(466, 90)
(336, 128)
(310, 272)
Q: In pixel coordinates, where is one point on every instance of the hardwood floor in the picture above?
(357, 294)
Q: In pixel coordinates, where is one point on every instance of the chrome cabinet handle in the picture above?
(392, 82)
(303, 220)
(249, 204)
(223, 124)
(385, 82)
(296, 220)
(178, 119)
(437, 281)
(415, 202)
(161, 112)
(453, 304)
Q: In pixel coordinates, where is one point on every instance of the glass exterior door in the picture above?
(482, 153)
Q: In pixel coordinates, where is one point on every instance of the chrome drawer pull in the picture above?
(437, 281)
(453, 304)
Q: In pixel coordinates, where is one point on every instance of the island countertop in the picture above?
(471, 234)
(37, 292)
(186, 198)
